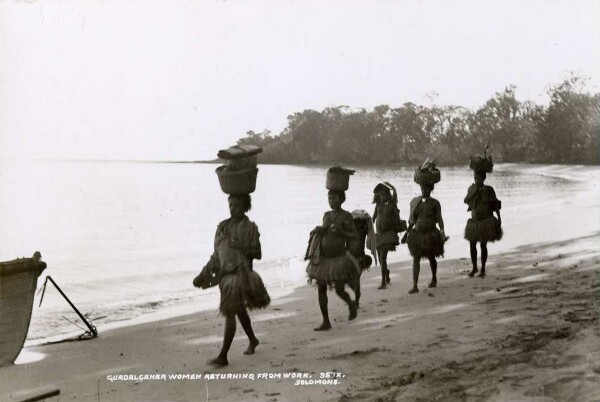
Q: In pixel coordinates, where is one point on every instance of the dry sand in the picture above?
(527, 332)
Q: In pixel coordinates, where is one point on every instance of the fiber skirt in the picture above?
(484, 230)
(344, 269)
(387, 241)
(242, 290)
(364, 261)
(425, 244)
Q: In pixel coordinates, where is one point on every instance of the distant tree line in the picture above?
(565, 131)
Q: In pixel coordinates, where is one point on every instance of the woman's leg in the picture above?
(322, 287)
(484, 256)
(433, 265)
(385, 274)
(473, 249)
(356, 289)
(341, 292)
(221, 360)
(247, 325)
(416, 268)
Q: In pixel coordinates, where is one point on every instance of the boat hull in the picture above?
(18, 281)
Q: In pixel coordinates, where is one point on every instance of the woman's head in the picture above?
(336, 198)
(426, 189)
(239, 204)
(479, 177)
(382, 195)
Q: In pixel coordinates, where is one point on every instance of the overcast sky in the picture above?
(177, 80)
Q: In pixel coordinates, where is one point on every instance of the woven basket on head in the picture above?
(426, 177)
(237, 181)
(338, 178)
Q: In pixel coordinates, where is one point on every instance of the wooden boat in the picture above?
(18, 281)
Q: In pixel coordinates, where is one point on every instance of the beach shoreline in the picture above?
(528, 331)
(138, 265)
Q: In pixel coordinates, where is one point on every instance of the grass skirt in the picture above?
(344, 269)
(424, 244)
(387, 241)
(365, 262)
(242, 290)
(484, 230)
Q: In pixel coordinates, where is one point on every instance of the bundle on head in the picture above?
(238, 174)
(482, 164)
(338, 178)
(242, 163)
(427, 173)
(240, 157)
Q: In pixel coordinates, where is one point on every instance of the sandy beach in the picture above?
(528, 332)
(140, 140)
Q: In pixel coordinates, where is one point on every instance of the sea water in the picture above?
(125, 239)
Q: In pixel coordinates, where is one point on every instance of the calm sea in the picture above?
(126, 239)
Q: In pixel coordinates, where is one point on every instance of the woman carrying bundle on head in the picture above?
(331, 264)
(483, 227)
(236, 245)
(423, 238)
(387, 224)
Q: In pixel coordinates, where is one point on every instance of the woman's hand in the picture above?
(444, 237)
(471, 192)
(341, 232)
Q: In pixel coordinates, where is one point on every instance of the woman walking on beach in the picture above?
(425, 240)
(483, 227)
(331, 265)
(236, 245)
(386, 218)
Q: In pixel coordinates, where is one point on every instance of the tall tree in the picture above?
(571, 124)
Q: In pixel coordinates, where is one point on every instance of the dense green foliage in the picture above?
(567, 130)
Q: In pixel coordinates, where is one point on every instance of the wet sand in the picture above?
(528, 331)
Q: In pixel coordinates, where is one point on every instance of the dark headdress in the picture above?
(482, 164)
(427, 173)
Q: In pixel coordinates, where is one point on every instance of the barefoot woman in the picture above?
(237, 244)
(386, 211)
(483, 226)
(334, 266)
(425, 240)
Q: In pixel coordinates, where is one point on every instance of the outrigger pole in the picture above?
(93, 332)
